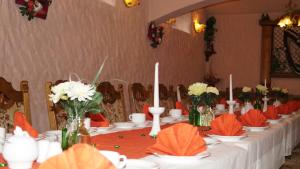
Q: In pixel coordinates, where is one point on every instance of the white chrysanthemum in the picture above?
(276, 88)
(212, 90)
(246, 89)
(58, 91)
(284, 90)
(197, 89)
(261, 88)
(80, 91)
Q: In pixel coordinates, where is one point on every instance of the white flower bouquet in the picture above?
(246, 94)
(202, 93)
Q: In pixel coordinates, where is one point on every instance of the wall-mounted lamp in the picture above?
(131, 3)
(199, 27)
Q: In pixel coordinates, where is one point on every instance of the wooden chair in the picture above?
(167, 98)
(56, 115)
(113, 104)
(11, 101)
(139, 96)
(185, 98)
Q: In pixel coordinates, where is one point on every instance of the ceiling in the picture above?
(250, 6)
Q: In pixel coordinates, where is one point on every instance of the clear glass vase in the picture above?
(206, 116)
(74, 133)
(193, 115)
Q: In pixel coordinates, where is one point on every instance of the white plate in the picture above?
(124, 125)
(183, 159)
(100, 129)
(211, 141)
(145, 124)
(257, 129)
(53, 132)
(168, 119)
(285, 115)
(228, 138)
(140, 164)
(271, 121)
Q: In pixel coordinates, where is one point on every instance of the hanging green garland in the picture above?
(209, 36)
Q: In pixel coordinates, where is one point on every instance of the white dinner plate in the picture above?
(53, 133)
(101, 129)
(124, 125)
(183, 159)
(168, 119)
(274, 121)
(211, 141)
(284, 116)
(228, 138)
(140, 164)
(256, 129)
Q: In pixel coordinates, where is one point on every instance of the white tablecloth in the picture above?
(260, 150)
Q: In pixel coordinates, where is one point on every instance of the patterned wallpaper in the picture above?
(76, 37)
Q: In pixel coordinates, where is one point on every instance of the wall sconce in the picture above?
(131, 3)
(199, 27)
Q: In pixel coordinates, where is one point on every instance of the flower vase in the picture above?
(257, 104)
(206, 115)
(74, 133)
(193, 115)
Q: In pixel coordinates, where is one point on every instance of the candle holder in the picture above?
(231, 104)
(156, 112)
(265, 99)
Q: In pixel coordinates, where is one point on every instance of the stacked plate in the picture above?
(140, 164)
(257, 129)
(228, 138)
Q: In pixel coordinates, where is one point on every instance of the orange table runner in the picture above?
(132, 143)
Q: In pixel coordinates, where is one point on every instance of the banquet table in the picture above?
(260, 150)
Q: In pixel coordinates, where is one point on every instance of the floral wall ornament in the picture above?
(131, 3)
(155, 34)
(34, 8)
(209, 37)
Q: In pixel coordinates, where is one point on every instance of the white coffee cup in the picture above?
(220, 107)
(43, 147)
(87, 123)
(175, 113)
(54, 149)
(119, 161)
(137, 118)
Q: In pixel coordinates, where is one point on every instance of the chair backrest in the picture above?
(185, 98)
(56, 115)
(11, 101)
(113, 104)
(139, 95)
(167, 98)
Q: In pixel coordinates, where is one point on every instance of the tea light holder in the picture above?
(231, 104)
(156, 112)
(265, 99)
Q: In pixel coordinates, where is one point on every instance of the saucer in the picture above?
(124, 125)
(167, 119)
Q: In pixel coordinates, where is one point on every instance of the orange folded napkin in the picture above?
(98, 120)
(254, 118)
(226, 125)
(21, 121)
(183, 108)
(79, 156)
(149, 116)
(271, 113)
(179, 140)
(283, 109)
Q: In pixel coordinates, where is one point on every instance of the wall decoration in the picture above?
(34, 8)
(155, 34)
(131, 3)
(209, 37)
(199, 27)
(280, 49)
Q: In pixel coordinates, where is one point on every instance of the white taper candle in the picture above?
(178, 94)
(230, 88)
(156, 86)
